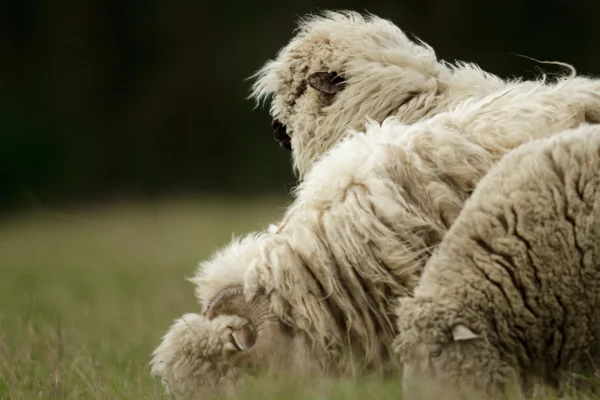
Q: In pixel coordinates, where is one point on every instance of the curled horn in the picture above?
(231, 301)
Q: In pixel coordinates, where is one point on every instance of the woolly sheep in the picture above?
(512, 295)
(362, 226)
(341, 68)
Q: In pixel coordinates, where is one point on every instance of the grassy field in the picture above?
(85, 296)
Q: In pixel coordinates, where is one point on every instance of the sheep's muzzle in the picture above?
(280, 135)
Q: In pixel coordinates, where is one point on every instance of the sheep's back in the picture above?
(525, 251)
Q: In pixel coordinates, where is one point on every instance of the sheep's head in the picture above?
(444, 349)
(262, 341)
(197, 354)
(339, 69)
(232, 338)
(219, 285)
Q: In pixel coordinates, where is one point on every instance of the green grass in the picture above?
(85, 296)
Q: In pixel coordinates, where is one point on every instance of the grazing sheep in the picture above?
(512, 295)
(342, 68)
(363, 224)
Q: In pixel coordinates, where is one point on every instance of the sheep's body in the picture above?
(516, 278)
(383, 73)
(368, 215)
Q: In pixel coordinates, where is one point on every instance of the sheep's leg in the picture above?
(196, 354)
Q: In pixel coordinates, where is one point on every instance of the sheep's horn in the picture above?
(231, 301)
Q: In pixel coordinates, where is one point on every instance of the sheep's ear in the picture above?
(326, 82)
(461, 332)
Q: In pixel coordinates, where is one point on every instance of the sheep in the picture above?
(511, 298)
(362, 225)
(342, 68)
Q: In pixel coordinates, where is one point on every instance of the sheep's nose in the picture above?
(280, 135)
(277, 124)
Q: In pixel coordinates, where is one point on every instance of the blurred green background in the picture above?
(111, 99)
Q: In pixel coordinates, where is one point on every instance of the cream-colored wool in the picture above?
(369, 214)
(385, 74)
(512, 296)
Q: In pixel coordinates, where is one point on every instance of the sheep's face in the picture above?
(444, 351)
(310, 84)
(338, 70)
(264, 342)
(197, 354)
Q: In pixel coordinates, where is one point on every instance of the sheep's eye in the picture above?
(436, 351)
(326, 82)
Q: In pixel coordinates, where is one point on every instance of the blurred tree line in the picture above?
(130, 98)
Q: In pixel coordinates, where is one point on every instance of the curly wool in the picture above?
(386, 74)
(519, 270)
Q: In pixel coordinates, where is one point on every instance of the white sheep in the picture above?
(512, 295)
(342, 68)
(362, 226)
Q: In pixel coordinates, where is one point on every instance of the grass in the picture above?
(85, 296)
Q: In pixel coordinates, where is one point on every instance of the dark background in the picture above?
(106, 99)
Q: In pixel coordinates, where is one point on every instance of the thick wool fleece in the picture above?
(385, 74)
(512, 296)
(369, 214)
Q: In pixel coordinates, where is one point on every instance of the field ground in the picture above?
(85, 296)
